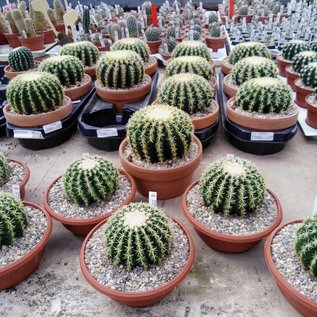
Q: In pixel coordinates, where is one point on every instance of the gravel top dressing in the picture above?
(233, 225)
(34, 232)
(138, 280)
(61, 205)
(288, 264)
(16, 173)
(313, 100)
(150, 62)
(84, 81)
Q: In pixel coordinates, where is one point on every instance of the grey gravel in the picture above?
(61, 205)
(288, 264)
(16, 173)
(233, 225)
(312, 100)
(150, 62)
(34, 232)
(138, 280)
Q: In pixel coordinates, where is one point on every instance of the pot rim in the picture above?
(26, 175)
(310, 106)
(305, 89)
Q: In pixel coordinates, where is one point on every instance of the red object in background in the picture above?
(231, 5)
(154, 14)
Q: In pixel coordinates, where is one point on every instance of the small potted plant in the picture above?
(147, 7)
(230, 207)
(41, 27)
(168, 154)
(244, 13)
(3, 28)
(59, 12)
(290, 254)
(153, 38)
(25, 231)
(138, 255)
(216, 39)
(311, 104)
(87, 193)
(34, 42)
(167, 47)
(11, 37)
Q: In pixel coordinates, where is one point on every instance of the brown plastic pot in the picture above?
(151, 68)
(225, 242)
(301, 94)
(83, 226)
(77, 92)
(304, 305)
(240, 18)
(37, 120)
(154, 46)
(91, 71)
(206, 121)
(34, 43)
(49, 36)
(291, 76)
(311, 118)
(122, 96)
(282, 64)
(60, 27)
(19, 270)
(225, 67)
(11, 74)
(216, 43)
(169, 182)
(138, 299)
(12, 39)
(230, 89)
(260, 123)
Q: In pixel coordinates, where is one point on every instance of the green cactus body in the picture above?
(86, 51)
(35, 92)
(264, 95)
(147, 6)
(171, 31)
(313, 46)
(86, 20)
(189, 64)
(68, 69)
(213, 17)
(137, 235)
(276, 9)
(191, 48)
(248, 49)
(165, 133)
(302, 59)
(4, 169)
(13, 219)
(115, 28)
(253, 67)
(90, 180)
(153, 34)
(188, 92)
(292, 48)
(197, 28)
(215, 30)
(243, 10)
(171, 44)
(195, 36)
(306, 244)
(21, 59)
(120, 69)
(308, 75)
(232, 187)
(132, 25)
(131, 44)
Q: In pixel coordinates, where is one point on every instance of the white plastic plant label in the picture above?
(27, 134)
(54, 126)
(153, 199)
(230, 156)
(262, 136)
(127, 32)
(165, 48)
(106, 133)
(16, 191)
(85, 155)
(116, 37)
(315, 206)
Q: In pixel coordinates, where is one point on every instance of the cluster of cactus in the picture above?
(189, 92)
(35, 92)
(294, 47)
(90, 180)
(120, 69)
(59, 10)
(232, 186)
(189, 64)
(305, 244)
(170, 43)
(191, 48)
(264, 95)
(302, 59)
(21, 59)
(243, 10)
(215, 29)
(68, 69)
(248, 49)
(13, 219)
(213, 17)
(133, 44)
(132, 25)
(86, 51)
(138, 235)
(165, 133)
(86, 20)
(153, 34)
(147, 6)
(253, 67)
(4, 169)
(308, 75)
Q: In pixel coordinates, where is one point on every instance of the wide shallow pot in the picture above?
(216, 43)
(229, 88)
(226, 67)
(49, 36)
(34, 43)
(151, 67)
(154, 46)
(10, 74)
(83, 226)
(300, 302)
(12, 39)
(301, 94)
(226, 242)
(138, 299)
(120, 97)
(91, 71)
(208, 120)
(311, 118)
(291, 76)
(19, 270)
(169, 182)
(274, 123)
(77, 92)
(282, 64)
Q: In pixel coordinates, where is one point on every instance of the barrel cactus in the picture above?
(232, 186)
(21, 59)
(264, 95)
(294, 47)
(191, 48)
(215, 30)
(13, 219)
(137, 235)
(86, 51)
(302, 59)
(160, 133)
(170, 43)
(253, 67)
(90, 180)
(35, 92)
(147, 6)
(243, 10)
(213, 17)
(308, 75)
(4, 169)
(132, 25)
(171, 31)
(153, 34)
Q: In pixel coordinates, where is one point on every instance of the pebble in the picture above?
(16, 173)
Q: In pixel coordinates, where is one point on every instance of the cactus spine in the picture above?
(191, 48)
(132, 25)
(153, 34)
(308, 75)
(21, 59)
(302, 59)
(294, 47)
(4, 169)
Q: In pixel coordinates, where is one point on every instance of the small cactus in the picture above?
(215, 30)
(171, 31)
(86, 20)
(3, 25)
(147, 6)
(302, 59)
(132, 25)
(153, 34)
(29, 28)
(4, 169)
(243, 10)
(191, 48)
(308, 75)
(160, 133)
(90, 180)
(294, 47)
(59, 10)
(195, 36)
(116, 29)
(213, 17)
(171, 44)
(21, 59)
(23, 8)
(18, 20)
(232, 187)
(9, 18)
(39, 21)
(137, 235)
(51, 15)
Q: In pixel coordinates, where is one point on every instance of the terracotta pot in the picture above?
(83, 226)
(259, 123)
(33, 44)
(282, 64)
(304, 305)
(151, 68)
(77, 92)
(37, 120)
(104, 49)
(167, 57)
(19, 270)
(311, 118)
(60, 27)
(301, 94)
(49, 36)
(91, 71)
(262, 19)
(12, 39)
(291, 76)
(3, 40)
(226, 242)
(229, 88)
(168, 182)
(122, 96)
(11, 74)
(154, 46)
(225, 67)
(204, 122)
(138, 299)
(240, 18)
(215, 43)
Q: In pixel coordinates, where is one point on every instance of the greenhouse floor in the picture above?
(218, 285)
